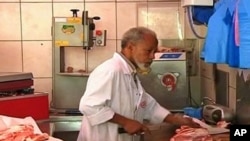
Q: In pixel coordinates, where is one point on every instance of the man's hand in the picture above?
(189, 122)
(180, 119)
(129, 125)
(134, 127)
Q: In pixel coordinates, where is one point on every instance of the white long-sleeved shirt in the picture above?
(111, 89)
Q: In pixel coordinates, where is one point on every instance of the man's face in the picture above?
(143, 53)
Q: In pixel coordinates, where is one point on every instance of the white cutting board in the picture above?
(212, 130)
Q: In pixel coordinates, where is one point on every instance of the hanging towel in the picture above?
(216, 41)
(244, 32)
(233, 49)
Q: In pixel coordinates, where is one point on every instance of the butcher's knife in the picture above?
(217, 130)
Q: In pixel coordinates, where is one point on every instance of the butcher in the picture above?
(114, 98)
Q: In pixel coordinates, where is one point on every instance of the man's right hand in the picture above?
(129, 125)
(134, 127)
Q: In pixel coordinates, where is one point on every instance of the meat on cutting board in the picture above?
(22, 132)
(186, 133)
(223, 124)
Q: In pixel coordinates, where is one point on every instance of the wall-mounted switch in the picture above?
(100, 37)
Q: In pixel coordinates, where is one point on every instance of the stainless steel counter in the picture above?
(62, 127)
(67, 129)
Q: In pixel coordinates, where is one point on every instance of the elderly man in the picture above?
(114, 97)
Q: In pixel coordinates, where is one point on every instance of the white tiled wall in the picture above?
(11, 56)
(10, 21)
(124, 10)
(63, 9)
(107, 13)
(25, 33)
(39, 54)
(36, 23)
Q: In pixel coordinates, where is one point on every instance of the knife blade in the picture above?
(217, 130)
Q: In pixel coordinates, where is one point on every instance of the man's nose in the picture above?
(152, 56)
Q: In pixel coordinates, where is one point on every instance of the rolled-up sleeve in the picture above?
(95, 116)
(95, 102)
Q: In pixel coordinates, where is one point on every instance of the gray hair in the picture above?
(136, 34)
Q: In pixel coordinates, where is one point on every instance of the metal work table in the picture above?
(67, 128)
(167, 131)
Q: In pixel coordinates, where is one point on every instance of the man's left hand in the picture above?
(181, 119)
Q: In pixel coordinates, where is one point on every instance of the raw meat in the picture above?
(222, 124)
(186, 133)
(22, 132)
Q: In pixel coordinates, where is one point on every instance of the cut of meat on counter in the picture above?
(22, 132)
(186, 133)
(223, 124)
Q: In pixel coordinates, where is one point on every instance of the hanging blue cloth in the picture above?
(202, 14)
(233, 49)
(244, 33)
(232, 6)
(216, 41)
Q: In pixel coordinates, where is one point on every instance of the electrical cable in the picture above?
(191, 22)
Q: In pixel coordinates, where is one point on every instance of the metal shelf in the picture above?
(73, 74)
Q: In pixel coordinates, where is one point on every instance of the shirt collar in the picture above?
(130, 64)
